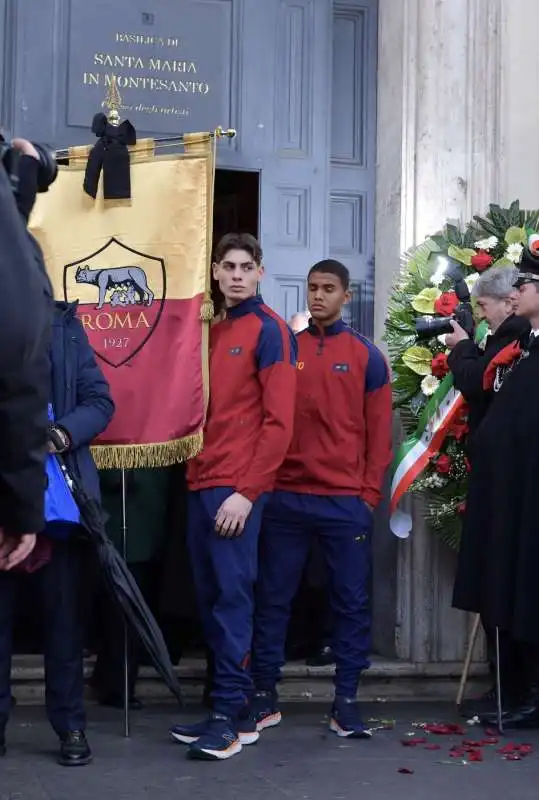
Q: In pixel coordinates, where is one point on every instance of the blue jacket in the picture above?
(80, 394)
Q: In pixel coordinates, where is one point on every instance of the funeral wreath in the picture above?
(433, 287)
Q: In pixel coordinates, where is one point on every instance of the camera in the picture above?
(429, 327)
(10, 159)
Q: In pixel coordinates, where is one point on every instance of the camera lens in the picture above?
(48, 168)
(429, 327)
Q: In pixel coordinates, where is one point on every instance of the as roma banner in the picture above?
(139, 270)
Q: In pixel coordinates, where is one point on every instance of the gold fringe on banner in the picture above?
(147, 456)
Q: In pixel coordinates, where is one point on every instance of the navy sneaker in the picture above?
(220, 740)
(187, 734)
(265, 710)
(346, 720)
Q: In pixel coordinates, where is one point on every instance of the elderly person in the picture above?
(495, 299)
(497, 570)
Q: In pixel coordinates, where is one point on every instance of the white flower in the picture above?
(442, 339)
(471, 280)
(514, 252)
(429, 384)
(487, 244)
(437, 278)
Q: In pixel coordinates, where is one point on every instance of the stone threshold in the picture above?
(386, 680)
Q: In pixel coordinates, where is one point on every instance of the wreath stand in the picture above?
(468, 660)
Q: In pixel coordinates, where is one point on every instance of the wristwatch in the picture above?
(60, 438)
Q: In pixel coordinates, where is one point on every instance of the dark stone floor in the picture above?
(299, 760)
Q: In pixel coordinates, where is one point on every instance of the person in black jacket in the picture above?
(495, 299)
(25, 314)
(495, 302)
(82, 409)
(61, 369)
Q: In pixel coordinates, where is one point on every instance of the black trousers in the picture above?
(58, 584)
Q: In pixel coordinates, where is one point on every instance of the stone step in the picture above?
(386, 680)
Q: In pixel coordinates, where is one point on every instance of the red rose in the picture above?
(443, 464)
(439, 365)
(467, 464)
(481, 260)
(459, 430)
(461, 508)
(446, 304)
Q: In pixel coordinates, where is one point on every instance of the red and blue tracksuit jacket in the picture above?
(251, 408)
(342, 428)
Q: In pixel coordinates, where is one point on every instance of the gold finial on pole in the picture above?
(221, 133)
(113, 102)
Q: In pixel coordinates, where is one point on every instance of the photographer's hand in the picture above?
(25, 147)
(458, 335)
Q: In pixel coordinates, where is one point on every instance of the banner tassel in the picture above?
(147, 456)
(207, 311)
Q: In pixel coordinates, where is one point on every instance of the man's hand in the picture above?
(14, 549)
(232, 515)
(458, 335)
(26, 148)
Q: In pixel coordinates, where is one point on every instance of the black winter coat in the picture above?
(468, 362)
(25, 319)
(499, 555)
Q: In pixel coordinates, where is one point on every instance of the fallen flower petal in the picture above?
(433, 747)
(475, 756)
(406, 771)
(445, 729)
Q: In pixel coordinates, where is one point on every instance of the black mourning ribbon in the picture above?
(111, 155)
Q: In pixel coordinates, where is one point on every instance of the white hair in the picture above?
(496, 282)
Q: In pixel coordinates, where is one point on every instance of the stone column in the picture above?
(438, 159)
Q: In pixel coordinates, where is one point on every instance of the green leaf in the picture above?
(424, 302)
(418, 359)
(440, 241)
(514, 235)
(503, 262)
(453, 235)
(461, 254)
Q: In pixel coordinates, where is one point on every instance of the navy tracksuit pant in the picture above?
(224, 572)
(342, 526)
(63, 635)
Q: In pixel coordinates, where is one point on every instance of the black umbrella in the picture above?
(122, 585)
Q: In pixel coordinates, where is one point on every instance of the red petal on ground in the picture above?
(446, 729)
(406, 771)
(433, 747)
(475, 755)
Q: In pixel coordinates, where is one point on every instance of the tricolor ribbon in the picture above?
(415, 453)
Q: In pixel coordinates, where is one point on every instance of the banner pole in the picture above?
(126, 632)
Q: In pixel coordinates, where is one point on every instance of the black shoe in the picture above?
(487, 703)
(526, 717)
(74, 750)
(323, 658)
